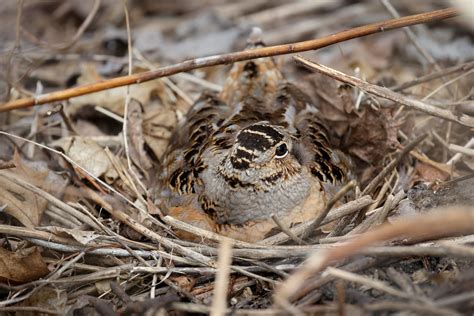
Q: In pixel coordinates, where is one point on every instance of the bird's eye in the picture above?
(281, 151)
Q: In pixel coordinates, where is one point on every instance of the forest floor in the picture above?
(81, 234)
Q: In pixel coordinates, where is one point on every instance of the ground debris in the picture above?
(81, 230)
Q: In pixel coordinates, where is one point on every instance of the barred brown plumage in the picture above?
(255, 150)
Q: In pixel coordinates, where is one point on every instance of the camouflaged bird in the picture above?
(256, 150)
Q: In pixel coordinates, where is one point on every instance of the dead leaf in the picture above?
(82, 236)
(21, 266)
(420, 276)
(135, 136)
(102, 286)
(458, 191)
(24, 205)
(89, 155)
(48, 298)
(112, 99)
(21, 203)
(333, 99)
(158, 124)
(373, 136)
(429, 173)
(183, 281)
(48, 74)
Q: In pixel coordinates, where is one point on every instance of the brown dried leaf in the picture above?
(333, 99)
(459, 191)
(48, 74)
(24, 205)
(21, 266)
(48, 298)
(82, 236)
(21, 203)
(373, 136)
(184, 282)
(112, 99)
(158, 125)
(135, 138)
(429, 173)
(102, 286)
(89, 155)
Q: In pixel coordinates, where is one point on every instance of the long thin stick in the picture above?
(388, 94)
(232, 57)
(445, 222)
(219, 300)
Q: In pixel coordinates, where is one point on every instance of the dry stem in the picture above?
(451, 221)
(231, 58)
(388, 94)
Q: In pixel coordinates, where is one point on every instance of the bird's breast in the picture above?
(242, 201)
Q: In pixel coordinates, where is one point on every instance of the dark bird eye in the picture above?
(281, 151)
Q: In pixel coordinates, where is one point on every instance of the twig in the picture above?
(168, 243)
(28, 309)
(317, 222)
(205, 234)
(341, 297)
(455, 299)
(190, 308)
(252, 275)
(379, 285)
(55, 275)
(393, 164)
(401, 280)
(343, 210)
(309, 295)
(412, 36)
(287, 231)
(232, 57)
(458, 156)
(381, 194)
(446, 84)
(82, 28)
(16, 47)
(109, 113)
(65, 208)
(450, 221)
(207, 271)
(287, 10)
(127, 91)
(407, 306)
(386, 93)
(440, 166)
(31, 233)
(103, 251)
(463, 67)
(306, 26)
(120, 292)
(461, 149)
(219, 300)
(379, 214)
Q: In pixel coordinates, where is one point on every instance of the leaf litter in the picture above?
(88, 230)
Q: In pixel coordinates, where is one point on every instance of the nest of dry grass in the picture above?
(80, 229)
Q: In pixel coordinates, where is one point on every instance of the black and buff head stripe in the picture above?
(242, 158)
(239, 163)
(259, 137)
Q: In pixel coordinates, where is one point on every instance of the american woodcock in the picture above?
(255, 150)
